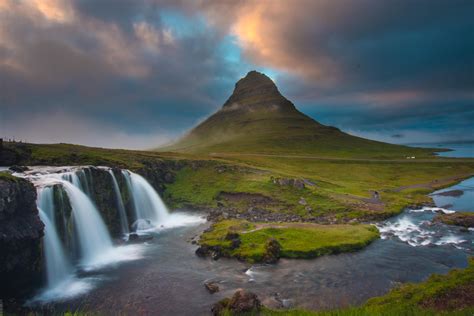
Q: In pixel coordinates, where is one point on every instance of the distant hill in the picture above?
(258, 119)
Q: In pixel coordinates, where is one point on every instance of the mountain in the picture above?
(258, 119)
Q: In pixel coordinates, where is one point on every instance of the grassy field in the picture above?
(297, 240)
(337, 189)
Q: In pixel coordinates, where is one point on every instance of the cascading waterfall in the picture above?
(147, 203)
(57, 265)
(46, 203)
(66, 208)
(94, 238)
(120, 206)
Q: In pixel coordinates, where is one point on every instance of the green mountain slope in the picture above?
(257, 119)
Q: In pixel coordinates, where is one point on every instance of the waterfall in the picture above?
(66, 206)
(120, 206)
(57, 265)
(94, 239)
(46, 203)
(147, 203)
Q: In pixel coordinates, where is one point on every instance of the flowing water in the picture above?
(70, 274)
(94, 239)
(170, 278)
(120, 206)
(163, 276)
(147, 204)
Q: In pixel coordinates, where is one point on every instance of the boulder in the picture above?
(211, 287)
(242, 301)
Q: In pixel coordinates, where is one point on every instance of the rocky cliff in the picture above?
(21, 231)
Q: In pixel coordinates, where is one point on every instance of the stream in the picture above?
(169, 277)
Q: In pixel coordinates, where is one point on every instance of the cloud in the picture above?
(134, 66)
(60, 127)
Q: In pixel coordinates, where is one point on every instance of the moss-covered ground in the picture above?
(297, 240)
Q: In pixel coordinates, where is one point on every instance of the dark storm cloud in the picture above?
(155, 67)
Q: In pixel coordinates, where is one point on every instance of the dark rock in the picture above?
(232, 236)
(244, 302)
(21, 232)
(19, 168)
(202, 251)
(133, 237)
(299, 184)
(241, 302)
(235, 243)
(272, 251)
(211, 287)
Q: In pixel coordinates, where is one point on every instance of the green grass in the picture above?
(297, 240)
(287, 131)
(7, 176)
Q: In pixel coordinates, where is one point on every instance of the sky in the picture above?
(139, 73)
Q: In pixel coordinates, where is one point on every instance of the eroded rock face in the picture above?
(21, 231)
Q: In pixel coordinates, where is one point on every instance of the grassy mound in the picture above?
(297, 240)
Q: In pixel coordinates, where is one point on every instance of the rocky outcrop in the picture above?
(463, 219)
(21, 231)
(242, 301)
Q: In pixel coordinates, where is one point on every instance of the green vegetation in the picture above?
(297, 240)
(464, 219)
(289, 132)
(342, 189)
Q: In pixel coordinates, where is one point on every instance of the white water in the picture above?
(120, 206)
(415, 227)
(57, 265)
(94, 238)
(94, 241)
(147, 203)
(45, 203)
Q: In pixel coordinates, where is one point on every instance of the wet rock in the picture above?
(244, 301)
(142, 224)
(211, 287)
(19, 168)
(202, 251)
(21, 231)
(136, 238)
(215, 252)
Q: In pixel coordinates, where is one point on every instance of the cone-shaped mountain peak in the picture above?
(256, 90)
(258, 119)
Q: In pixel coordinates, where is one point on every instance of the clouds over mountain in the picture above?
(148, 66)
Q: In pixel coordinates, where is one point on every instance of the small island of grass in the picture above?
(266, 242)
